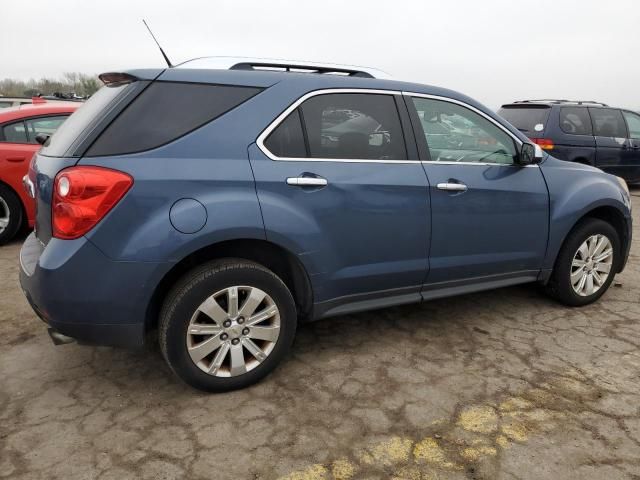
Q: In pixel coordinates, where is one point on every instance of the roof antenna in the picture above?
(166, 59)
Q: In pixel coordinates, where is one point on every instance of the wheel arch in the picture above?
(279, 260)
(612, 216)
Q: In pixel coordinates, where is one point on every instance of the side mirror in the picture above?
(530, 154)
(41, 138)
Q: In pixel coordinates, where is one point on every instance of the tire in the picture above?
(210, 288)
(10, 214)
(560, 285)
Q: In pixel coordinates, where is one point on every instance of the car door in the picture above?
(489, 216)
(632, 155)
(15, 147)
(610, 132)
(340, 187)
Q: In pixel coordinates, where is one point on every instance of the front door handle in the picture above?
(452, 187)
(307, 181)
(16, 159)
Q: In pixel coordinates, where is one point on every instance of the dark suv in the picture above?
(585, 132)
(219, 208)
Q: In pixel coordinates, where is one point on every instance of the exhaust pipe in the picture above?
(58, 338)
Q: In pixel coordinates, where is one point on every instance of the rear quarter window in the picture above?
(530, 119)
(165, 111)
(575, 121)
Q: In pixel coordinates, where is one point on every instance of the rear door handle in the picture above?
(452, 187)
(307, 181)
(16, 159)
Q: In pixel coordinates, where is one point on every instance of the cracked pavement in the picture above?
(503, 384)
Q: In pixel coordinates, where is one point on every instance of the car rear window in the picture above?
(530, 119)
(62, 140)
(165, 111)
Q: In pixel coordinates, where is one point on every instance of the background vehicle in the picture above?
(18, 129)
(8, 102)
(585, 132)
(223, 206)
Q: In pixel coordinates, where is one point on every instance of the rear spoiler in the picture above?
(112, 78)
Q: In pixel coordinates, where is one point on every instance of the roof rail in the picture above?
(296, 66)
(557, 101)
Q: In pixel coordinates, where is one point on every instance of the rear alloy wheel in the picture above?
(226, 325)
(233, 331)
(586, 264)
(10, 214)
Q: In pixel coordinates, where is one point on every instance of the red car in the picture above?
(18, 129)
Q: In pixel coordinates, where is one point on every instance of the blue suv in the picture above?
(585, 132)
(217, 208)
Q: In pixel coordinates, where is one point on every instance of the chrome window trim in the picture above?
(327, 91)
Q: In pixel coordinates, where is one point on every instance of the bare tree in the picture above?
(71, 82)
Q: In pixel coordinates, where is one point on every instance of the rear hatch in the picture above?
(530, 119)
(67, 145)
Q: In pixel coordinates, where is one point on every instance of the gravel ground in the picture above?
(499, 385)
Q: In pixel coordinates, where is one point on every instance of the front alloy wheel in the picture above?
(591, 265)
(10, 214)
(586, 263)
(5, 215)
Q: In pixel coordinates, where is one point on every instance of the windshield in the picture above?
(530, 119)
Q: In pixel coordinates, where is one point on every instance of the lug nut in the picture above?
(235, 341)
(240, 320)
(224, 336)
(245, 331)
(226, 323)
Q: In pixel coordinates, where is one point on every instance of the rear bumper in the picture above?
(79, 292)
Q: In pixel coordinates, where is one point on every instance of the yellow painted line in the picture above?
(489, 429)
(479, 418)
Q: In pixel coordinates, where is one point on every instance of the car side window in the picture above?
(357, 126)
(633, 122)
(14, 133)
(608, 122)
(457, 134)
(575, 121)
(46, 125)
(353, 126)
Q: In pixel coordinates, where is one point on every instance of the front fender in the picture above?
(575, 191)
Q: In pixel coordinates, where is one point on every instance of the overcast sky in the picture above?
(494, 50)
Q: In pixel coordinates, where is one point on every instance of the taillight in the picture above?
(545, 143)
(82, 196)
